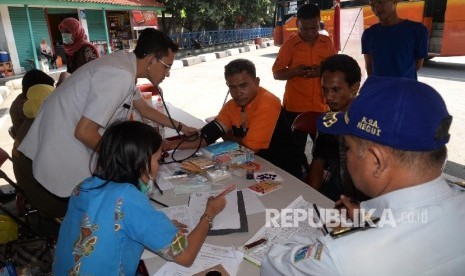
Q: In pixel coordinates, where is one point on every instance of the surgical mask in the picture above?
(146, 189)
(67, 38)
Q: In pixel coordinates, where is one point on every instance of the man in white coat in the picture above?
(71, 121)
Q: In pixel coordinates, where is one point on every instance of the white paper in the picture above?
(253, 204)
(279, 235)
(228, 218)
(209, 256)
(193, 186)
(181, 214)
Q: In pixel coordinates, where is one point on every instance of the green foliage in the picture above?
(196, 15)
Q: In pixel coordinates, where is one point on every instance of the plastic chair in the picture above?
(20, 204)
(4, 156)
(306, 123)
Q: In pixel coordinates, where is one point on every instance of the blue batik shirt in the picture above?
(106, 229)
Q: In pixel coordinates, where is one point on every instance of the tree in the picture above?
(255, 12)
(195, 15)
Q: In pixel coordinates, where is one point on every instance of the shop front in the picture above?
(110, 25)
(124, 27)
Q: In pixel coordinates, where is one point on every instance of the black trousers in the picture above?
(47, 204)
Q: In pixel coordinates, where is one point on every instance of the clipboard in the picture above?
(242, 217)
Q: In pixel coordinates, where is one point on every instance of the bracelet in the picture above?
(209, 220)
(179, 127)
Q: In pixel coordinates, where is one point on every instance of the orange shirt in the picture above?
(262, 114)
(303, 94)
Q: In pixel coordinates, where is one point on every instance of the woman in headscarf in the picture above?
(78, 50)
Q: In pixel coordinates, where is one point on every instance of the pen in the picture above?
(158, 187)
(255, 243)
(319, 218)
(158, 202)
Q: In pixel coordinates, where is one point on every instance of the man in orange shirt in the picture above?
(298, 62)
(253, 118)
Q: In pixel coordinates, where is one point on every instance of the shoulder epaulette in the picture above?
(456, 184)
(342, 231)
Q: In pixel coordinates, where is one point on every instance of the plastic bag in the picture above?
(8, 229)
(34, 253)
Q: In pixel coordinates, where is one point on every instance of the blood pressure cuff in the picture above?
(212, 131)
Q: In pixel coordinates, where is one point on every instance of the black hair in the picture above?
(125, 152)
(308, 11)
(239, 65)
(154, 42)
(322, 25)
(345, 64)
(34, 77)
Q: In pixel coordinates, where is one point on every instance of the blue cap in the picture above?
(397, 112)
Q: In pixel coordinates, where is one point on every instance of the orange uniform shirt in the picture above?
(303, 94)
(262, 114)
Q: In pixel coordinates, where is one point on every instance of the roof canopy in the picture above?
(89, 4)
(135, 3)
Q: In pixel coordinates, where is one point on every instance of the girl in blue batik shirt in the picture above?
(109, 220)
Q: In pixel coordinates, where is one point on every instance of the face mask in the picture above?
(146, 189)
(67, 38)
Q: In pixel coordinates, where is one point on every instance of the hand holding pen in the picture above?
(349, 204)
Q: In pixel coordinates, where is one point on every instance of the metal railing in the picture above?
(209, 38)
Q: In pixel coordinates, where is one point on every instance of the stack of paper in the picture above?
(209, 256)
(279, 235)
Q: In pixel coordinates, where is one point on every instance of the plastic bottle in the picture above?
(11, 268)
(160, 108)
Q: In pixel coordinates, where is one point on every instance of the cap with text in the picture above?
(397, 112)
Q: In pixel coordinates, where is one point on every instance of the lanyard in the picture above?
(244, 127)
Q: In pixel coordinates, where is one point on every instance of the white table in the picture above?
(291, 189)
(183, 117)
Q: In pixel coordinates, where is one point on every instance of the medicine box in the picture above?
(213, 150)
(240, 156)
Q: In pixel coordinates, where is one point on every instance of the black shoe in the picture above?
(7, 197)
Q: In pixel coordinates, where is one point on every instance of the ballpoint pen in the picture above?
(319, 218)
(158, 187)
(158, 202)
(255, 243)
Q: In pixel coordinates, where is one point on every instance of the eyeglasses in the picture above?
(168, 67)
